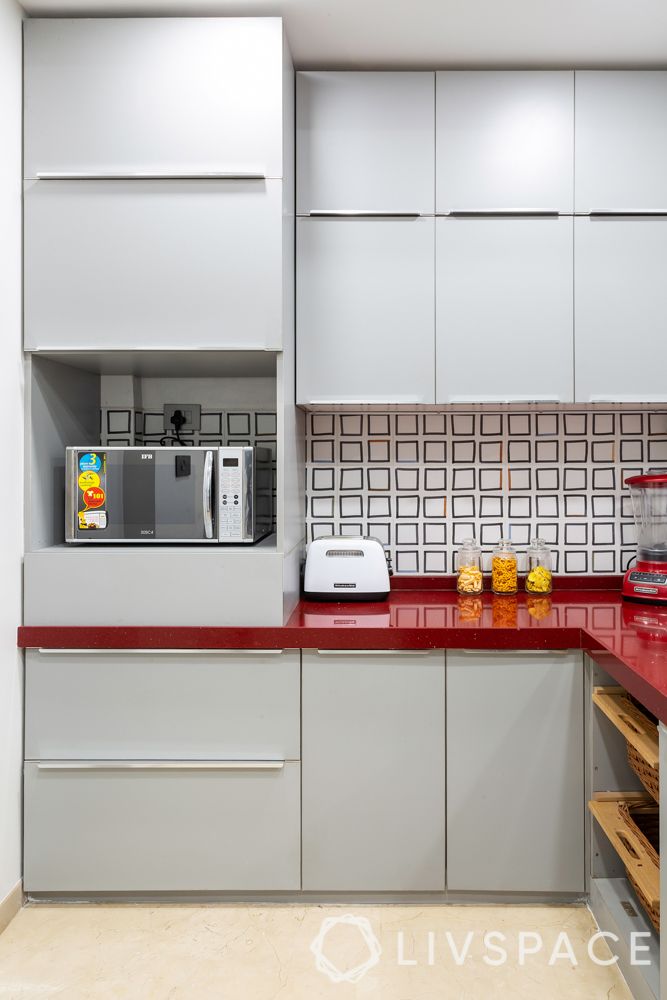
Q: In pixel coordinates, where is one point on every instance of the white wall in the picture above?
(11, 422)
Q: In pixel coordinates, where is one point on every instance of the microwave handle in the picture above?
(206, 495)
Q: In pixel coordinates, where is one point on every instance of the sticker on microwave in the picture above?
(88, 480)
(91, 520)
(94, 497)
(90, 462)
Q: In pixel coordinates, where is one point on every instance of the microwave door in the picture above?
(113, 495)
(184, 490)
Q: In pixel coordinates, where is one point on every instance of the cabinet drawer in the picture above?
(165, 705)
(141, 828)
(153, 264)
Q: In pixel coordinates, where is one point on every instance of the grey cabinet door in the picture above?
(504, 139)
(365, 323)
(620, 320)
(504, 318)
(163, 95)
(515, 775)
(365, 141)
(621, 140)
(128, 705)
(373, 803)
(153, 264)
(141, 829)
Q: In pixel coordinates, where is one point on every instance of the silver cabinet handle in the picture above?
(514, 652)
(152, 175)
(375, 652)
(389, 400)
(626, 211)
(360, 213)
(207, 490)
(464, 213)
(160, 765)
(147, 651)
(505, 399)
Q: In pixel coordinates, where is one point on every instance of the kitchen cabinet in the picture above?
(365, 323)
(125, 96)
(621, 140)
(621, 330)
(515, 777)
(365, 142)
(373, 781)
(504, 139)
(143, 826)
(153, 264)
(161, 704)
(504, 317)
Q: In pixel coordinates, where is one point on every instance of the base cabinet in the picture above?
(373, 800)
(515, 772)
(93, 827)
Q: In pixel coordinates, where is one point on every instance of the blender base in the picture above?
(646, 583)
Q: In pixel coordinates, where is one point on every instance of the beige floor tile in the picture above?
(238, 952)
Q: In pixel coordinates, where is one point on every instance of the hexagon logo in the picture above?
(326, 966)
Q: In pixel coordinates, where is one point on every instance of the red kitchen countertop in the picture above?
(620, 636)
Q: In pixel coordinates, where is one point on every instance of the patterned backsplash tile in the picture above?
(423, 482)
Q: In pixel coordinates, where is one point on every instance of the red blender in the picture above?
(647, 579)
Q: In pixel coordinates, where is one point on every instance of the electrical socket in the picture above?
(191, 412)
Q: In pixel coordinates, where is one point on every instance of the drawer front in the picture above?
(147, 705)
(161, 829)
(153, 264)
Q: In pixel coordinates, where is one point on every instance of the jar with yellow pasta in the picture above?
(538, 577)
(504, 578)
(470, 580)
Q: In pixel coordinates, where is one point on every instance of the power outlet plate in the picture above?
(191, 411)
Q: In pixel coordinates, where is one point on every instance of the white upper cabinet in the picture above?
(365, 323)
(153, 264)
(365, 142)
(154, 95)
(504, 310)
(504, 140)
(620, 317)
(621, 141)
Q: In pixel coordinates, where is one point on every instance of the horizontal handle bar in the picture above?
(505, 399)
(514, 652)
(161, 765)
(151, 175)
(364, 402)
(350, 213)
(374, 652)
(98, 651)
(627, 211)
(458, 213)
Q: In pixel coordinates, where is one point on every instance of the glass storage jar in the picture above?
(538, 575)
(504, 569)
(470, 580)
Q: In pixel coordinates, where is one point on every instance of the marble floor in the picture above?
(280, 952)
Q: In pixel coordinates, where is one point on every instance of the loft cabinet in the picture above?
(504, 140)
(154, 95)
(153, 264)
(504, 309)
(365, 142)
(373, 779)
(515, 780)
(365, 324)
(621, 140)
(620, 322)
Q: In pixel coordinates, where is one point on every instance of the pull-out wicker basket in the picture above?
(639, 730)
(643, 820)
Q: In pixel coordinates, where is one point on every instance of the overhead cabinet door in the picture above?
(365, 142)
(504, 309)
(504, 140)
(373, 783)
(156, 95)
(620, 318)
(365, 323)
(153, 264)
(621, 140)
(515, 778)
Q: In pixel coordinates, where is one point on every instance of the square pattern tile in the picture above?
(423, 482)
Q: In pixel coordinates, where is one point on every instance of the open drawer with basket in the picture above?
(639, 730)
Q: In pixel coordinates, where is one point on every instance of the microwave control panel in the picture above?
(231, 492)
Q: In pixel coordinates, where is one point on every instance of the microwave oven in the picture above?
(168, 495)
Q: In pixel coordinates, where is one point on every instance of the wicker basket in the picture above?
(643, 820)
(649, 776)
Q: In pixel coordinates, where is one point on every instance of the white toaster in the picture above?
(346, 568)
